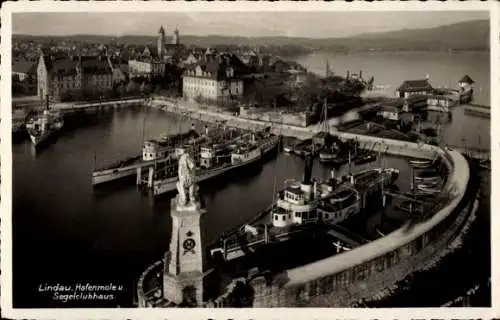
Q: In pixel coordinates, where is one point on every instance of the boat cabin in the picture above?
(244, 153)
(295, 206)
(339, 206)
(211, 155)
(154, 150)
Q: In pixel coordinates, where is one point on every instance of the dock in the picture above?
(70, 108)
(473, 152)
(478, 110)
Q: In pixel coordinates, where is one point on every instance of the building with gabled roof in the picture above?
(466, 80)
(213, 79)
(414, 87)
(60, 75)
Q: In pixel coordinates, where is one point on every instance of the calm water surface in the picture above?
(65, 232)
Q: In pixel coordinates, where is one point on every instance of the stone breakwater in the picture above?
(344, 279)
(372, 270)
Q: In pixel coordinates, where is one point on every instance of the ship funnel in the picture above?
(308, 170)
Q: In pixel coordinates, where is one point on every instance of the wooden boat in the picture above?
(365, 157)
(304, 148)
(485, 164)
(429, 188)
(428, 177)
(420, 163)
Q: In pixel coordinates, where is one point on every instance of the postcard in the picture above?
(248, 160)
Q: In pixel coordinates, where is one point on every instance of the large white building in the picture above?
(60, 76)
(213, 79)
(140, 68)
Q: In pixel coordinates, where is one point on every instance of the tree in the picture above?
(121, 90)
(145, 88)
(198, 99)
(132, 87)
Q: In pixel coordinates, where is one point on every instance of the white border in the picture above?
(178, 6)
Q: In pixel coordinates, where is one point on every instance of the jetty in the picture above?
(478, 110)
(70, 108)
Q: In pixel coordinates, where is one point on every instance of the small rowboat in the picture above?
(420, 163)
(429, 188)
(365, 158)
(326, 156)
(428, 177)
(485, 164)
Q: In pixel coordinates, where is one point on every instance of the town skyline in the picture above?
(241, 24)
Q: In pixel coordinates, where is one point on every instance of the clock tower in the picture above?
(184, 262)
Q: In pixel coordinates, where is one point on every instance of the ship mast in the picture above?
(274, 184)
(325, 116)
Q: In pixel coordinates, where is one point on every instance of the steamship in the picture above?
(301, 205)
(158, 152)
(41, 127)
(215, 160)
(154, 151)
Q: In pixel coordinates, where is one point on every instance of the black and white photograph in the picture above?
(158, 157)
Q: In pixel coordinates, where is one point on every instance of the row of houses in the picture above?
(211, 76)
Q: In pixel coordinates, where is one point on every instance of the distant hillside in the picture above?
(470, 35)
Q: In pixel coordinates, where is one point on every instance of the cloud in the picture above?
(249, 24)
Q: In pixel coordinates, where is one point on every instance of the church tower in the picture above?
(161, 42)
(184, 262)
(175, 39)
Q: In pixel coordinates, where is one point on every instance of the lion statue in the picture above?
(186, 185)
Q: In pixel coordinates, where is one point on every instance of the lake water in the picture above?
(65, 232)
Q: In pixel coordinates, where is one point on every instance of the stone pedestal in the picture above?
(184, 263)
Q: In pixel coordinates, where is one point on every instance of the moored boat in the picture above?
(429, 188)
(154, 152)
(304, 148)
(364, 158)
(300, 205)
(420, 163)
(41, 127)
(429, 176)
(485, 164)
(243, 154)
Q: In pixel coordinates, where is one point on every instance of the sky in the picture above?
(247, 24)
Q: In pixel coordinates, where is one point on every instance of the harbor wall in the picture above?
(72, 107)
(392, 146)
(145, 291)
(343, 279)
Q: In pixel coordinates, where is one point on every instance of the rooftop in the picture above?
(415, 85)
(467, 79)
(24, 66)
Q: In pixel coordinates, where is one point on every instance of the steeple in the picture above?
(161, 42)
(175, 39)
(161, 31)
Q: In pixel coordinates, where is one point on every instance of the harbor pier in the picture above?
(397, 147)
(342, 280)
(71, 108)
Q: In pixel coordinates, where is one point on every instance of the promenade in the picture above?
(212, 114)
